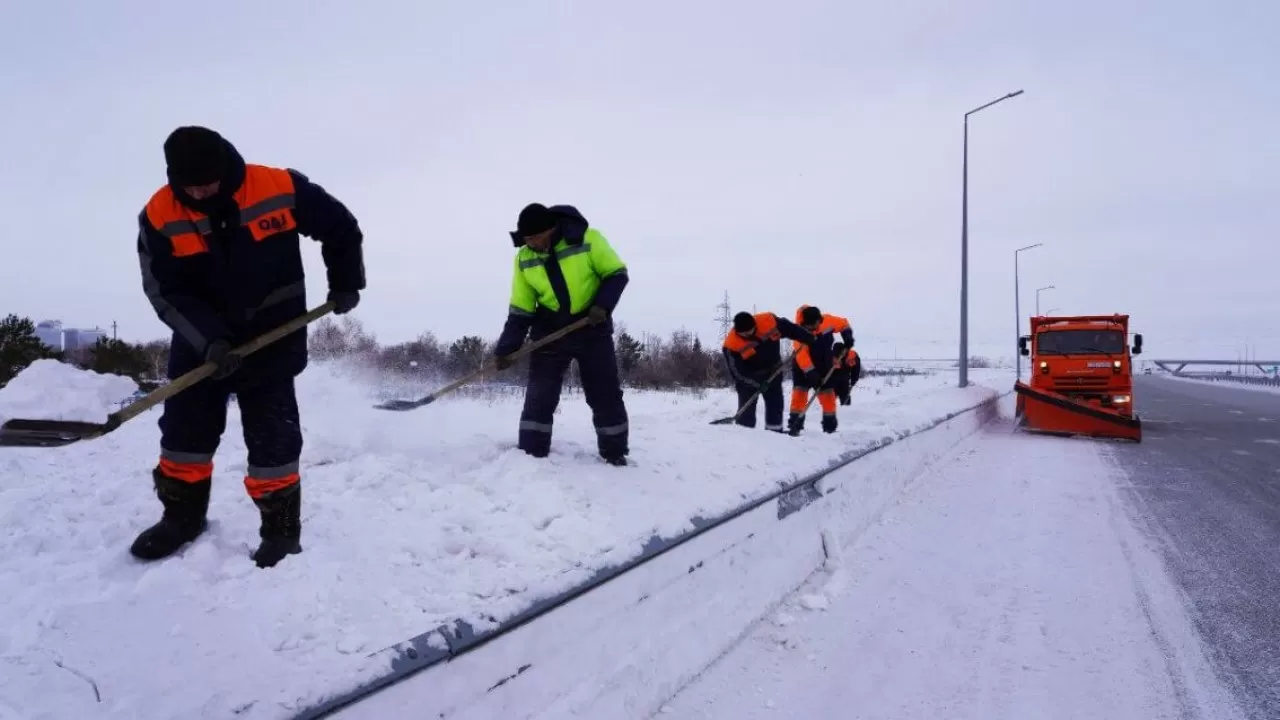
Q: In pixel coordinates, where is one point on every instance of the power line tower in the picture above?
(724, 318)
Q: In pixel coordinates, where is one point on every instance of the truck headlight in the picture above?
(1121, 399)
(1115, 364)
(1044, 366)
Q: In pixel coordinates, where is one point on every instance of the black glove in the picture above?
(502, 362)
(811, 377)
(845, 399)
(228, 362)
(597, 314)
(344, 301)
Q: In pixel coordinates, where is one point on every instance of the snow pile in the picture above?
(52, 390)
(410, 520)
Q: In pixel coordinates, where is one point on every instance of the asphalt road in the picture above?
(1206, 481)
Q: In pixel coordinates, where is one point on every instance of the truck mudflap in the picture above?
(1049, 412)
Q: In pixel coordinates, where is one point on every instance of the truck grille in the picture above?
(1084, 382)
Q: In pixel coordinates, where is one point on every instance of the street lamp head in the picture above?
(1015, 93)
(1028, 247)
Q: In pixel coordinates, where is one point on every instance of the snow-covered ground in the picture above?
(1009, 583)
(409, 520)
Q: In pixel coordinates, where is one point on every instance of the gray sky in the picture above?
(798, 152)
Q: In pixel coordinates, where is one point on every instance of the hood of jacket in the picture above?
(570, 225)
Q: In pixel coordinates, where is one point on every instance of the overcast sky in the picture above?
(787, 152)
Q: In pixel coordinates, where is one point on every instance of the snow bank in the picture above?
(52, 390)
(410, 520)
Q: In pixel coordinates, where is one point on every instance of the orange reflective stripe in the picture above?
(827, 399)
(799, 399)
(803, 359)
(265, 198)
(257, 487)
(266, 201)
(186, 471)
(735, 343)
(767, 326)
(833, 324)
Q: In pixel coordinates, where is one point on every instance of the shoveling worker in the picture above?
(566, 270)
(221, 262)
(848, 371)
(753, 350)
(811, 364)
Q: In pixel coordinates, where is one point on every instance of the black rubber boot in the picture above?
(795, 424)
(615, 459)
(185, 507)
(281, 529)
(829, 423)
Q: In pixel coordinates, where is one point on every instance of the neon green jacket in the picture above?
(550, 290)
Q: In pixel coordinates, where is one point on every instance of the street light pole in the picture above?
(964, 243)
(1038, 291)
(1017, 310)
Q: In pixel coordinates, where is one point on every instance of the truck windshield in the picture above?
(1080, 342)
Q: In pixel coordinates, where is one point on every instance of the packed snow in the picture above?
(52, 390)
(410, 520)
(1052, 605)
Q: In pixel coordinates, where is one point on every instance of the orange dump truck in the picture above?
(1081, 377)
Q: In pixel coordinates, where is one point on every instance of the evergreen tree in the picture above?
(117, 357)
(20, 346)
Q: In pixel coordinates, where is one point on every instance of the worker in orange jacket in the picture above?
(811, 364)
(753, 350)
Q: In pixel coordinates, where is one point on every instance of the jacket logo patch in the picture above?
(267, 225)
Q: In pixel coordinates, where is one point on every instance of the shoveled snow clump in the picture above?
(53, 390)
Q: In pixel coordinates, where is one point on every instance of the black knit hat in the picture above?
(744, 322)
(195, 156)
(535, 218)
(811, 316)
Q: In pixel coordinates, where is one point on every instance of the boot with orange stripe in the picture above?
(281, 530)
(186, 503)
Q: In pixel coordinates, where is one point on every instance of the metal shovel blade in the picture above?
(402, 404)
(47, 433)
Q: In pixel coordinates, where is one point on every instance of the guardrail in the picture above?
(889, 461)
(1236, 379)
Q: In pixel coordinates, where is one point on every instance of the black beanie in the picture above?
(743, 322)
(811, 316)
(195, 156)
(535, 218)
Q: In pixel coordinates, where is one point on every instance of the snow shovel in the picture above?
(56, 433)
(772, 376)
(402, 405)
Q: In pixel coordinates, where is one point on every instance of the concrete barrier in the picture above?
(629, 639)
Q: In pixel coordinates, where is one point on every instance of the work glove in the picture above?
(228, 362)
(845, 399)
(344, 301)
(811, 377)
(502, 362)
(597, 314)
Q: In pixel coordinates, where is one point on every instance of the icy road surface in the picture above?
(410, 520)
(1008, 584)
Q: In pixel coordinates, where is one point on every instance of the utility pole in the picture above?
(113, 330)
(964, 243)
(724, 318)
(1017, 310)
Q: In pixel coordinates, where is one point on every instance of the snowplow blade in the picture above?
(1051, 413)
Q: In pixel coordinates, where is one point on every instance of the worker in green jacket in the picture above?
(566, 270)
